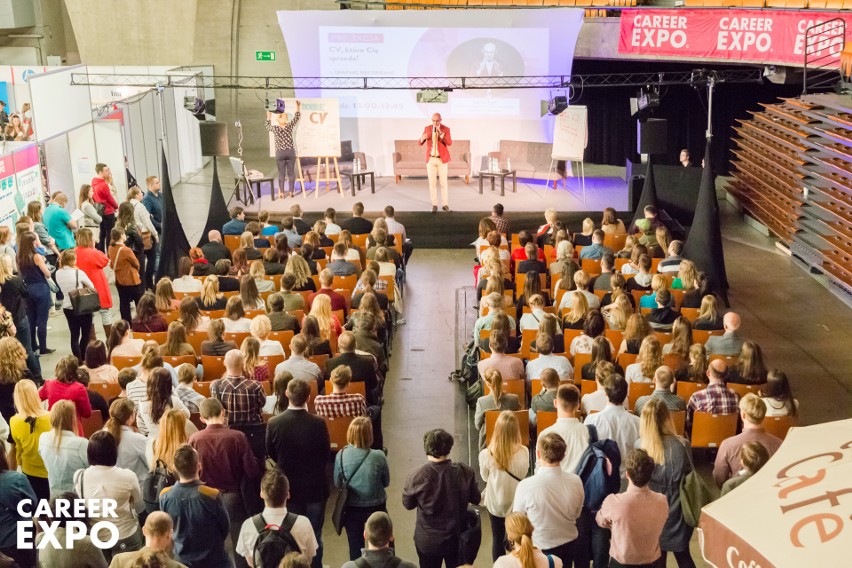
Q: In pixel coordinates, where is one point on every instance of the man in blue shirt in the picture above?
(237, 224)
(201, 521)
(294, 239)
(58, 222)
(596, 250)
(153, 202)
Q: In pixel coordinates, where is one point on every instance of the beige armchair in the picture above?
(409, 159)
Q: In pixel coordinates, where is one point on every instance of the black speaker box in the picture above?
(557, 104)
(652, 136)
(214, 138)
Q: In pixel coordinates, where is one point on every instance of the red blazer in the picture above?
(104, 195)
(443, 152)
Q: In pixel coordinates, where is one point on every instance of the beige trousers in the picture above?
(435, 169)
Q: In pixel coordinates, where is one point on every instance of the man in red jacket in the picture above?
(437, 139)
(103, 194)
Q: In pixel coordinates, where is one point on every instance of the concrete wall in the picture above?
(49, 36)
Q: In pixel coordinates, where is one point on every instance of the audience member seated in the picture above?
(582, 281)
(249, 293)
(495, 306)
(242, 397)
(708, 315)
(62, 450)
(131, 444)
(261, 327)
(637, 329)
(176, 344)
(362, 367)
(681, 339)
(693, 369)
(97, 364)
(294, 239)
(578, 310)
(778, 396)
(602, 351)
(338, 265)
(649, 359)
(279, 320)
(96, 401)
(185, 283)
(592, 328)
(596, 401)
(257, 272)
(227, 283)
(596, 250)
(338, 301)
(564, 265)
(753, 456)
(240, 264)
(752, 413)
(200, 265)
(235, 319)
(216, 345)
(731, 343)
(367, 283)
(614, 422)
(317, 344)
(520, 252)
(532, 287)
(164, 296)
(511, 368)
(544, 400)
(501, 322)
(715, 398)
(340, 402)
(254, 365)
(532, 319)
(277, 402)
(663, 315)
(190, 398)
(66, 387)
(237, 224)
(663, 381)
(531, 264)
(693, 283)
(210, 298)
(495, 400)
(213, 249)
(749, 368)
(290, 300)
(382, 240)
(568, 426)
(249, 248)
(616, 313)
(272, 265)
(671, 263)
(547, 360)
(602, 281)
(584, 237)
(610, 224)
(634, 263)
(190, 316)
(255, 229)
(367, 340)
(369, 304)
(148, 319)
(356, 224)
(299, 367)
(298, 268)
(159, 400)
(658, 282)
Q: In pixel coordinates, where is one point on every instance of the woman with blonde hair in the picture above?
(161, 450)
(190, 316)
(62, 450)
(379, 223)
(681, 339)
(258, 273)
(352, 251)
(708, 318)
(575, 318)
(636, 330)
(649, 359)
(627, 250)
(617, 286)
(694, 367)
(366, 473)
(503, 464)
(164, 296)
(328, 322)
(617, 312)
(301, 271)
(584, 238)
(532, 319)
(255, 366)
(687, 276)
(210, 298)
(672, 456)
(519, 531)
(633, 265)
(235, 316)
(176, 344)
(319, 228)
(549, 324)
(564, 256)
(261, 327)
(250, 294)
(660, 246)
(27, 425)
(367, 285)
(495, 400)
(13, 368)
(658, 282)
(612, 225)
(131, 444)
(247, 246)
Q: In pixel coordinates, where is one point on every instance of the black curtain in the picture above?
(173, 243)
(217, 214)
(704, 244)
(649, 192)
(612, 132)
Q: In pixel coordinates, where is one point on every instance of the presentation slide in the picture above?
(478, 45)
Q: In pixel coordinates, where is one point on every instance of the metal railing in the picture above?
(824, 42)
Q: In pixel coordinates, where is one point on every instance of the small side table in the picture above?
(257, 185)
(501, 175)
(357, 178)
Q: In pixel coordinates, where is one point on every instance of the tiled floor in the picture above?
(802, 328)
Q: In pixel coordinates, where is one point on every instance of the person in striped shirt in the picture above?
(340, 402)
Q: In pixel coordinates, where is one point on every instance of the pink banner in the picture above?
(762, 36)
(26, 158)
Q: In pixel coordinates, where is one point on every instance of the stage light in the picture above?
(557, 104)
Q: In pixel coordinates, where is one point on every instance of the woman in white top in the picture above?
(160, 399)
(121, 342)
(261, 327)
(62, 450)
(258, 273)
(532, 319)
(186, 284)
(249, 292)
(519, 532)
(649, 359)
(777, 395)
(352, 252)
(386, 266)
(131, 444)
(69, 278)
(235, 319)
(592, 327)
(330, 218)
(103, 480)
(503, 464)
(91, 219)
(97, 364)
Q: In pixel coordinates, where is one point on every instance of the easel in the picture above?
(300, 178)
(554, 160)
(329, 177)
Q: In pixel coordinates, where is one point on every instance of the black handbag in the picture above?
(83, 300)
(470, 526)
(341, 494)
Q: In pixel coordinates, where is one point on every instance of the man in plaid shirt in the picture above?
(716, 398)
(501, 222)
(340, 403)
(242, 397)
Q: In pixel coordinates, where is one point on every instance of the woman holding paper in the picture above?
(285, 145)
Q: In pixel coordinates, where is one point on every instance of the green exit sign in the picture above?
(264, 55)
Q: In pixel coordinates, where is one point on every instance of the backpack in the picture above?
(598, 470)
(154, 484)
(468, 373)
(273, 543)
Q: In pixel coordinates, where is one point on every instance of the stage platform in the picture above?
(605, 187)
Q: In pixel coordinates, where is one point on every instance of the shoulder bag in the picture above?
(469, 525)
(694, 493)
(83, 300)
(341, 494)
